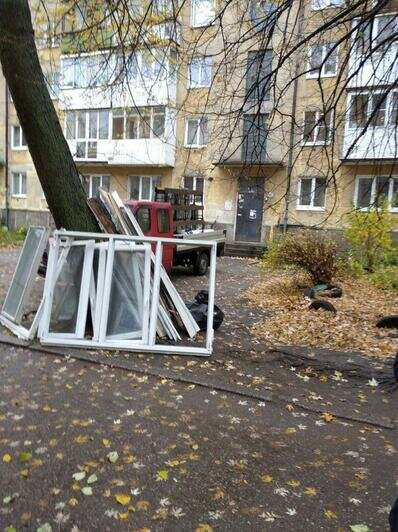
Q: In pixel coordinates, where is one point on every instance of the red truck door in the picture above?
(155, 219)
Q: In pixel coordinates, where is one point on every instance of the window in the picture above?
(264, 15)
(18, 184)
(93, 182)
(371, 191)
(86, 71)
(163, 221)
(87, 127)
(199, 72)
(317, 127)
(196, 134)
(197, 184)
(202, 13)
(377, 109)
(143, 216)
(18, 141)
(143, 187)
(322, 60)
(324, 4)
(53, 81)
(311, 193)
(377, 35)
(254, 144)
(138, 123)
(258, 75)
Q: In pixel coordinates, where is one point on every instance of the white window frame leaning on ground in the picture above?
(328, 60)
(18, 134)
(314, 185)
(392, 184)
(20, 179)
(201, 132)
(98, 298)
(200, 72)
(202, 13)
(325, 4)
(317, 126)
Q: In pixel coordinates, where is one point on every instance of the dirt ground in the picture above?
(250, 439)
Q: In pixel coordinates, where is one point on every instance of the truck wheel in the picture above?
(201, 264)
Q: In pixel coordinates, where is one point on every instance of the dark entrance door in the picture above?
(249, 210)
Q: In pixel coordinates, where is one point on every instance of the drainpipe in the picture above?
(6, 161)
(289, 168)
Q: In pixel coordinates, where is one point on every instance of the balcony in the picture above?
(371, 128)
(133, 152)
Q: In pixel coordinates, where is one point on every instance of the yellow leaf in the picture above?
(73, 502)
(173, 463)
(290, 430)
(267, 478)
(25, 473)
(329, 514)
(162, 474)
(203, 527)
(294, 483)
(122, 498)
(289, 408)
(123, 516)
(53, 442)
(218, 494)
(323, 378)
(75, 486)
(68, 386)
(81, 439)
(106, 442)
(7, 458)
(60, 456)
(142, 505)
(327, 417)
(195, 446)
(310, 491)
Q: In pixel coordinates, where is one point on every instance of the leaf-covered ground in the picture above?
(352, 328)
(246, 440)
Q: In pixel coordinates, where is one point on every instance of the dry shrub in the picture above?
(308, 250)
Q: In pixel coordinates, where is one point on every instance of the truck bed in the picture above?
(207, 234)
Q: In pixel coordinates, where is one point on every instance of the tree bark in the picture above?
(48, 148)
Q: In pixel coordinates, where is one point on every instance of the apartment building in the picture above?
(187, 106)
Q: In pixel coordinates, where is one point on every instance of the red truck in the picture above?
(180, 216)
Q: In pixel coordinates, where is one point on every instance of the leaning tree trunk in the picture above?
(50, 152)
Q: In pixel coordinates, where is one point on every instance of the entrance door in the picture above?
(249, 210)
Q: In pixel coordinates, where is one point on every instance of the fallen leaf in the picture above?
(203, 527)
(162, 474)
(359, 528)
(45, 527)
(87, 490)
(79, 476)
(121, 498)
(266, 478)
(24, 456)
(326, 416)
(92, 478)
(7, 458)
(106, 442)
(113, 456)
(310, 491)
(73, 501)
(329, 514)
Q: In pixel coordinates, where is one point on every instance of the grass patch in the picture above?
(11, 238)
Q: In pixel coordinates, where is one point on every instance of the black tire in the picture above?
(395, 367)
(322, 304)
(201, 264)
(388, 322)
(332, 291)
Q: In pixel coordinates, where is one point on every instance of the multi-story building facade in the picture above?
(176, 102)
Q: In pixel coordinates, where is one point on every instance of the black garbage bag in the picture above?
(198, 309)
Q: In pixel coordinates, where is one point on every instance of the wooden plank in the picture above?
(102, 216)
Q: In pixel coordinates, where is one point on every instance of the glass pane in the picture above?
(132, 127)
(163, 221)
(359, 110)
(23, 183)
(103, 124)
(305, 192)
(194, 72)
(15, 137)
(68, 72)
(319, 193)
(92, 150)
(146, 192)
(106, 181)
(394, 199)
(145, 126)
(206, 71)
(158, 124)
(324, 128)
(364, 198)
(379, 103)
(23, 143)
(81, 150)
(95, 184)
(134, 187)
(66, 293)
(192, 132)
(382, 186)
(330, 64)
(15, 184)
(315, 58)
(70, 125)
(21, 275)
(117, 125)
(126, 296)
(143, 216)
(92, 124)
(203, 133)
(394, 109)
(81, 125)
(309, 126)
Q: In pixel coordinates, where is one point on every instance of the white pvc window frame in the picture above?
(133, 345)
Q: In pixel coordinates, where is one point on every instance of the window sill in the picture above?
(312, 144)
(308, 76)
(326, 7)
(309, 208)
(20, 148)
(18, 196)
(203, 25)
(198, 87)
(195, 147)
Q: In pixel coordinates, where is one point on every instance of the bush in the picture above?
(386, 277)
(369, 234)
(308, 250)
(348, 266)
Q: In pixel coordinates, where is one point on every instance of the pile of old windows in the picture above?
(106, 291)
